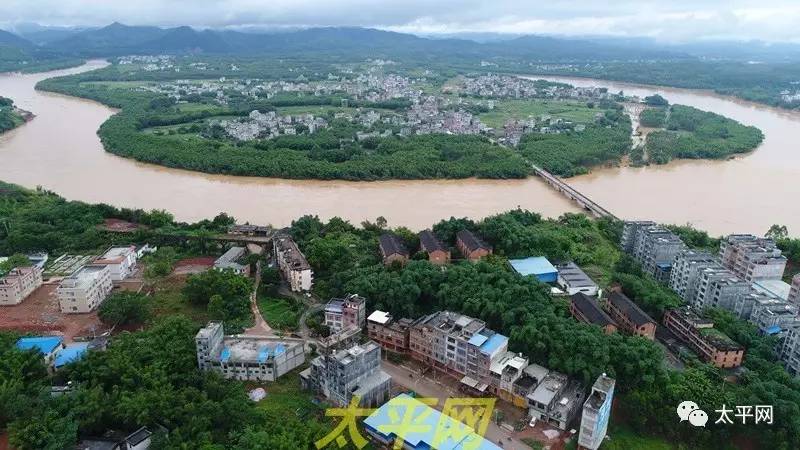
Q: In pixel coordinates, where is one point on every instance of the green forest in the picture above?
(694, 134)
(574, 153)
(9, 119)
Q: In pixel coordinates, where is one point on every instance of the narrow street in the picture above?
(260, 327)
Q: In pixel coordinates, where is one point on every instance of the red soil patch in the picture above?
(193, 265)
(120, 226)
(39, 313)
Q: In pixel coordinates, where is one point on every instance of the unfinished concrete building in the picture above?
(596, 413)
(752, 258)
(347, 373)
(246, 358)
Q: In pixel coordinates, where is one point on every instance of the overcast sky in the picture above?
(774, 20)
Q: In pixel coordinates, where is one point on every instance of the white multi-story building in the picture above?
(293, 264)
(85, 289)
(596, 413)
(752, 258)
(18, 284)
(121, 261)
(243, 357)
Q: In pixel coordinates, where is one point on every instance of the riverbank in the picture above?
(61, 152)
(11, 117)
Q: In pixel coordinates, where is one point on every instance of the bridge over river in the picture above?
(573, 194)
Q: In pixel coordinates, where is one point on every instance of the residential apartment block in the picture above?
(456, 344)
(121, 261)
(348, 312)
(464, 348)
(241, 357)
(686, 271)
(630, 231)
(718, 288)
(392, 249)
(790, 351)
(794, 292)
(470, 246)
(752, 258)
(587, 310)
(629, 316)
(653, 246)
(774, 316)
(596, 413)
(430, 244)
(656, 249)
(391, 334)
(348, 373)
(18, 284)
(701, 336)
(85, 289)
(293, 264)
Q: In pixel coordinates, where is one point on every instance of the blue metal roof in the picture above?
(263, 354)
(494, 342)
(477, 339)
(279, 349)
(775, 329)
(225, 355)
(426, 423)
(44, 344)
(71, 353)
(535, 265)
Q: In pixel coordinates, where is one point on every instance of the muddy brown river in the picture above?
(60, 151)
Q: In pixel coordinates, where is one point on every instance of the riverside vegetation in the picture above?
(152, 127)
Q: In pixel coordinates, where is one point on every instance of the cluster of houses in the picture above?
(478, 357)
(270, 125)
(453, 344)
(504, 86)
(80, 292)
(743, 277)
(83, 290)
(470, 246)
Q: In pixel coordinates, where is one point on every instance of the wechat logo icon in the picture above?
(688, 410)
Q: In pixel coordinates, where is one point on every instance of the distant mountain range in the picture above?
(118, 39)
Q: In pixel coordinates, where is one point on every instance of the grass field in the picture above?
(281, 314)
(168, 300)
(522, 109)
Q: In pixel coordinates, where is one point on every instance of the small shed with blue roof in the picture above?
(70, 353)
(537, 266)
(48, 346)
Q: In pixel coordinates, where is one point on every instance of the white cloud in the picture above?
(675, 20)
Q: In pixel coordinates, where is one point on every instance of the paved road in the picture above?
(427, 387)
